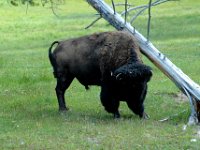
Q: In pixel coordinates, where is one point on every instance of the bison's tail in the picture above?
(51, 56)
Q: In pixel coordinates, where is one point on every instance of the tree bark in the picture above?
(182, 81)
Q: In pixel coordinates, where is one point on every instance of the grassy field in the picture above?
(29, 117)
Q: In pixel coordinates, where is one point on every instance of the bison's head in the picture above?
(132, 73)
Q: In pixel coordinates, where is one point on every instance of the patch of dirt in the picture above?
(180, 98)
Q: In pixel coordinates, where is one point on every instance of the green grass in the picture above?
(29, 117)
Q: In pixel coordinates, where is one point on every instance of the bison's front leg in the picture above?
(108, 101)
(135, 103)
(62, 84)
(138, 109)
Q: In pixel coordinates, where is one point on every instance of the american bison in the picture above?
(110, 60)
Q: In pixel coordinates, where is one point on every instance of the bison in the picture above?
(110, 60)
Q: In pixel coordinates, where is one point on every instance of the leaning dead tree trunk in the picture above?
(182, 81)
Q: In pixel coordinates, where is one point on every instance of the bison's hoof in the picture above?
(63, 109)
(116, 116)
(145, 116)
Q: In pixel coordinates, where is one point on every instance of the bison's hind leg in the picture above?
(63, 82)
(109, 103)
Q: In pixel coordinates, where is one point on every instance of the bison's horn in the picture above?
(117, 76)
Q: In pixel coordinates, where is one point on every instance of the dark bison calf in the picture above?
(110, 60)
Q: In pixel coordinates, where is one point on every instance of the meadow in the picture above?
(29, 117)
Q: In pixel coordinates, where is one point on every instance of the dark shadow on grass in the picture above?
(46, 112)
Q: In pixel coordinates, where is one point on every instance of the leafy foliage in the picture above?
(35, 2)
(29, 2)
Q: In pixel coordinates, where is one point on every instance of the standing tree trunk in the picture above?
(182, 81)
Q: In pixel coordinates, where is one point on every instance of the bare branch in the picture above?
(53, 8)
(149, 20)
(135, 16)
(126, 2)
(93, 22)
(133, 8)
(27, 7)
(172, 116)
(144, 7)
(113, 5)
(44, 2)
(157, 2)
(122, 4)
